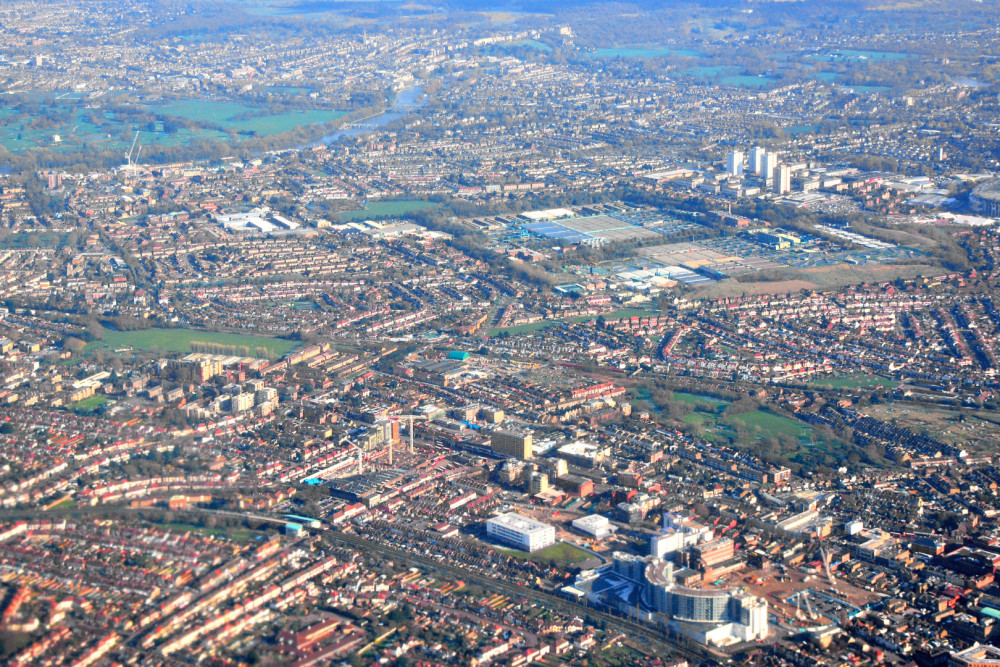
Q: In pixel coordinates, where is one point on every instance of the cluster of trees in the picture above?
(259, 351)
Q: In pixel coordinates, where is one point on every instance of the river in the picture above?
(405, 102)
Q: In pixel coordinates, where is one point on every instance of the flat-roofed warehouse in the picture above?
(595, 525)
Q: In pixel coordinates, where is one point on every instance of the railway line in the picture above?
(660, 645)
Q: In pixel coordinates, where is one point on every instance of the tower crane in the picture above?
(411, 418)
(826, 565)
(129, 159)
(361, 454)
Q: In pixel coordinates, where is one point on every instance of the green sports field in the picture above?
(180, 340)
(565, 554)
(386, 209)
(773, 425)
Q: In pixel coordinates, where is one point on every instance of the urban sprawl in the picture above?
(600, 334)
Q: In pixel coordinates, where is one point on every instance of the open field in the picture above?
(773, 425)
(976, 430)
(641, 52)
(720, 428)
(522, 328)
(628, 312)
(819, 278)
(88, 405)
(695, 418)
(853, 381)
(386, 209)
(180, 340)
(498, 16)
(564, 554)
(241, 118)
(26, 240)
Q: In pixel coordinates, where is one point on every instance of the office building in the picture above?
(521, 532)
(241, 402)
(749, 615)
(709, 616)
(678, 533)
(629, 565)
(538, 482)
(708, 554)
(491, 415)
(557, 467)
(512, 443)
(583, 454)
(714, 616)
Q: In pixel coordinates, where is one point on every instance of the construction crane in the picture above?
(361, 454)
(826, 565)
(411, 418)
(128, 154)
(800, 597)
(812, 614)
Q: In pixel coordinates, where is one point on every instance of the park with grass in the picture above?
(743, 423)
(724, 426)
(231, 116)
(190, 340)
(235, 533)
